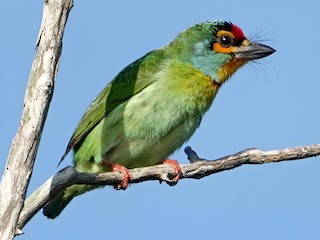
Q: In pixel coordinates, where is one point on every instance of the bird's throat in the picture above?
(229, 68)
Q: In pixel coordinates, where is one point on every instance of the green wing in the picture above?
(130, 81)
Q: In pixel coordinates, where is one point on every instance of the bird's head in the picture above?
(217, 48)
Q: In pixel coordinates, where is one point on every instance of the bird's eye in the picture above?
(225, 41)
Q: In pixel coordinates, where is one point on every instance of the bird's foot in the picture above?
(125, 174)
(115, 167)
(173, 179)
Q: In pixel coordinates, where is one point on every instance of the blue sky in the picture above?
(268, 105)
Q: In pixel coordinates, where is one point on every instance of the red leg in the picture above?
(115, 167)
(177, 170)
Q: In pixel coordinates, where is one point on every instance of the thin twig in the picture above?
(199, 168)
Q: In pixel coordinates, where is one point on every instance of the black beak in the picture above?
(253, 51)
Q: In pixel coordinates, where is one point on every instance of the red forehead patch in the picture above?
(237, 32)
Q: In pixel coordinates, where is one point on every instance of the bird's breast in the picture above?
(159, 119)
(152, 124)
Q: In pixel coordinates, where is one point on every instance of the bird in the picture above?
(155, 104)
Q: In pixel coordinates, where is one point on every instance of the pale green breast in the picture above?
(154, 123)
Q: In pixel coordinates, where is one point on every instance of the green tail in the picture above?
(56, 205)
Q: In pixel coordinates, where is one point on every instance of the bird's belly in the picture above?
(151, 128)
(147, 128)
(137, 151)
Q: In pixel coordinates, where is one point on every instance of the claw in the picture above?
(115, 167)
(125, 174)
(177, 171)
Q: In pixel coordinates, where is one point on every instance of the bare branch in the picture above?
(199, 168)
(38, 95)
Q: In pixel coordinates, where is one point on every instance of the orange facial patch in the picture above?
(225, 32)
(217, 47)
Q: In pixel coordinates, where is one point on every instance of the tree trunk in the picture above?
(38, 95)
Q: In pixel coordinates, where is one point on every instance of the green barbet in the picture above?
(155, 104)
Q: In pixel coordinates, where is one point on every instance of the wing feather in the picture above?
(130, 81)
